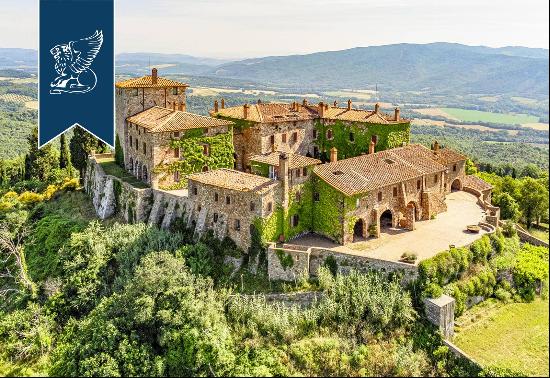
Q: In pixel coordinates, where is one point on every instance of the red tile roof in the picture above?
(233, 180)
(147, 82)
(296, 160)
(474, 182)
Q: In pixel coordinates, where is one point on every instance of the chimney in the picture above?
(259, 101)
(397, 114)
(436, 147)
(245, 109)
(321, 109)
(304, 102)
(215, 106)
(333, 155)
(376, 108)
(283, 176)
(372, 147)
(349, 104)
(223, 103)
(154, 75)
(335, 104)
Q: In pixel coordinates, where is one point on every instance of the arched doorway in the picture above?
(386, 220)
(144, 174)
(456, 185)
(358, 230)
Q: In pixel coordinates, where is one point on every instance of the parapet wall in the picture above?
(289, 262)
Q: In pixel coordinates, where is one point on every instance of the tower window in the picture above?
(304, 171)
(454, 168)
(237, 224)
(283, 137)
(418, 184)
(395, 192)
(136, 92)
(175, 91)
(216, 197)
(379, 196)
(294, 137)
(272, 139)
(228, 200)
(215, 217)
(195, 190)
(144, 148)
(252, 206)
(435, 179)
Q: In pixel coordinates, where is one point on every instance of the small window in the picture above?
(205, 168)
(379, 196)
(454, 168)
(294, 137)
(351, 137)
(227, 200)
(298, 172)
(199, 208)
(329, 134)
(374, 139)
(177, 152)
(298, 196)
(270, 206)
(176, 176)
(272, 139)
(216, 197)
(283, 137)
(395, 192)
(252, 206)
(175, 91)
(195, 190)
(139, 130)
(237, 224)
(131, 141)
(144, 148)
(435, 179)
(206, 149)
(314, 133)
(294, 220)
(176, 134)
(418, 184)
(316, 197)
(304, 171)
(137, 144)
(215, 217)
(136, 92)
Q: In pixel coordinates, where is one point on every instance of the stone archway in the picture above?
(144, 173)
(359, 230)
(386, 220)
(456, 185)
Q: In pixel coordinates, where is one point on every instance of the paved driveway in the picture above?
(429, 238)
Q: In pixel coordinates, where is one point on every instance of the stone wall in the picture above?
(308, 260)
(526, 237)
(113, 196)
(440, 312)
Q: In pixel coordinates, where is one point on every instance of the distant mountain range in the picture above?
(436, 67)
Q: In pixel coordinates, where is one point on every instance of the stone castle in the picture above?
(279, 170)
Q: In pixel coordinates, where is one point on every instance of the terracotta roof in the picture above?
(269, 112)
(147, 82)
(158, 119)
(283, 112)
(360, 115)
(476, 183)
(447, 156)
(369, 172)
(233, 180)
(296, 160)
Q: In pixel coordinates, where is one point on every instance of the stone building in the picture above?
(165, 145)
(139, 94)
(310, 129)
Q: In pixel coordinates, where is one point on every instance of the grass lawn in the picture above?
(513, 336)
(479, 116)
(540, 234)
(111, 168)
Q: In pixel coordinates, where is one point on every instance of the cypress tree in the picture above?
(64, 156)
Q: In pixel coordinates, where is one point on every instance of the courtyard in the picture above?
(429, 238)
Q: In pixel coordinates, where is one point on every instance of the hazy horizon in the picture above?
(241, 29)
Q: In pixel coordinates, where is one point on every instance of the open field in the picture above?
(513, 336)
(428, 122)
(436, 112)
(211, 91)
(525, 100)
(11, 97)
(536, 125)
(476, 115)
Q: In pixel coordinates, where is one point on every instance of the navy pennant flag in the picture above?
(76, 68)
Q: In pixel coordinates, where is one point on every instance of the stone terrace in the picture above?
(429, 238)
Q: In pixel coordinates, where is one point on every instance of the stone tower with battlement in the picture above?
(139, 94)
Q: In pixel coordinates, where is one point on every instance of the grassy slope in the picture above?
(514, 335)
(479, 116)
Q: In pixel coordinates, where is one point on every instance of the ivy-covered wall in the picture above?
(328, 211)
(389, 136)
(260, 169)
(192, 158)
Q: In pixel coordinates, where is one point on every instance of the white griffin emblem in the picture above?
(72, 63)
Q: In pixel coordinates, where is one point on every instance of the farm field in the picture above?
(513, 335)
(476, 115)
(429, 122)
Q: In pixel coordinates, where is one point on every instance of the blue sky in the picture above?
(247, 28)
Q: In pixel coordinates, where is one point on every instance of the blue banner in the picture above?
(76, 68)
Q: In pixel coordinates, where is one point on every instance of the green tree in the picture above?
(82, 144)
(533, 200)
(509, 208)
(119, 154)
(470, 167)
(64, 156)
(40, 162)
(510, 186)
